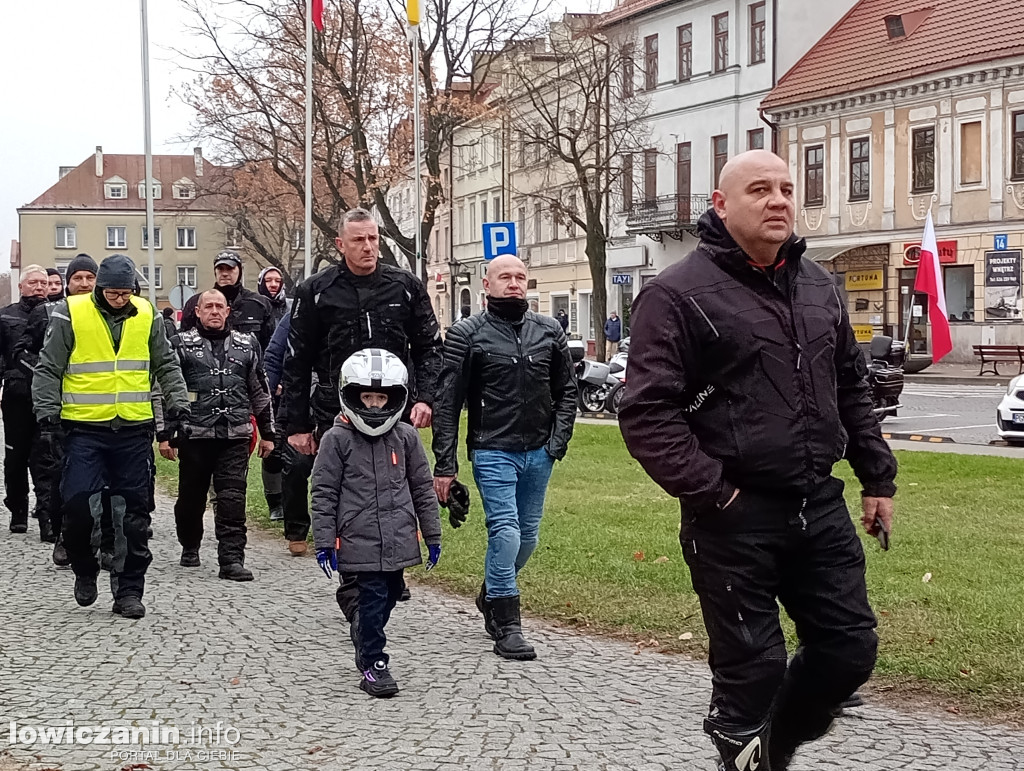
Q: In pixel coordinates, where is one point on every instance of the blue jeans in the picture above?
(512, 486)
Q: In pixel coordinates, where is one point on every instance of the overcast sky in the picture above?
(70, 79)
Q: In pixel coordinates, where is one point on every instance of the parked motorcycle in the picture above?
(885, 375)
(617, 370)
(594, 379)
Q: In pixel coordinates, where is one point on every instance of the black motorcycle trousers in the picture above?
(226, 462)
(295, 490)
(20, 432)
(761, 551)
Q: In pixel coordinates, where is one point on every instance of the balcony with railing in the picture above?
(668, 214)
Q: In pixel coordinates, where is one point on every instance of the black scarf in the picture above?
(511, 309)
(212, 334)
(231, 291)
(116, 313)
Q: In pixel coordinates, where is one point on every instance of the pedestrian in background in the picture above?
(612, 334)
(271, 286)
(746, 387)
(372, 492)
(563, 319)
(251, 313)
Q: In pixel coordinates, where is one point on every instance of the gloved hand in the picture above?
(328, 560)
(176, 429)
(433, 555)
(51, 432)
(457, 504)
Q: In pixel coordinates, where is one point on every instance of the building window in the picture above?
(570, 223)
(755, 139)
(117, 237)
(537, 223)
(159, 273)
(720, 29)
(1018, 146)
(156, 187)
(186, 238)
(923, 160)
(756, 33)
(184, 192)
(521, 222)
(66, 237)
(627, 182)
(814, 176)
(650, 175)
(627, 71)
(299, 238)
(684, 36)
(720, 153)
(958, 281)
(483, 214)
(496, 209)
(233, 237)
(472, 221)
(651, 62)
(158, 241)
(860, 169)
(116, 190)
(187, 276)
(538, 134)
(970, 153)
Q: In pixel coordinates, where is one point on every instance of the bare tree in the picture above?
(560, 105)
(248, 91)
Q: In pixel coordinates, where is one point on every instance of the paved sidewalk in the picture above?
(271, 659)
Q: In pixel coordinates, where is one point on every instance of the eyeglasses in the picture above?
(111, 294)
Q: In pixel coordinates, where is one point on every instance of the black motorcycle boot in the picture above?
(275, 504)
(189, 558)
(85, 590)
(484, 606)
(510, 643)
(46, 534)
(235, 571)
(129, 607)
(741, 749)
(19, 514)
(60, 554)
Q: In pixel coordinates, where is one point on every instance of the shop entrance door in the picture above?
(913, 311)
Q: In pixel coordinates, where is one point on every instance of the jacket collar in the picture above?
(723, 250)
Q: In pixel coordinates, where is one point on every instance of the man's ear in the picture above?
(718, 203)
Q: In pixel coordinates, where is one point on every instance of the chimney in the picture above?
(99, 161)
(198, 156)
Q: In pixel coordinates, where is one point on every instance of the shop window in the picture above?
(959, 283)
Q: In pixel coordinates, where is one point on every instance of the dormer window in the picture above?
(900, 26)
(155, 186)
(115, 188)
(894, 27)
(184, 189)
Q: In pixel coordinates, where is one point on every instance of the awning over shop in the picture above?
(824, 253)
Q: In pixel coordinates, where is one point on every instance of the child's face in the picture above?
(372, 399)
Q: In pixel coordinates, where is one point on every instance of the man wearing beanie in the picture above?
(54, 285)
(513, 370)
(48, 450)
(251, 313)
(94, 379)
(19, 425)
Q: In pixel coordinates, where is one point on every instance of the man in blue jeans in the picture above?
(513, 369)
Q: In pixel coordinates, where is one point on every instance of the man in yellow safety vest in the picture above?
(94, 379)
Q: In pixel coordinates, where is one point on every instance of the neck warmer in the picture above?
(212, 334)
(102, 303)
(29, 302)
(510, 309)
(231, 291)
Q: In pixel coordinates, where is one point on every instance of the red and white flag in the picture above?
(318, 14)
(929, 282)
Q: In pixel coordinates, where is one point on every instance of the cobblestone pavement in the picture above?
(271, 659)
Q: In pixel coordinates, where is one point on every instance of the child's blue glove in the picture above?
(327, 559)
(433, 555)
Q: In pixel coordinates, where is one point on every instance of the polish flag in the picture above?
(929, 282)
(318, 14)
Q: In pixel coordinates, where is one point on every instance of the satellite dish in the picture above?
(179, 296)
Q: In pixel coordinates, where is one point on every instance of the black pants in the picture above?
(295, 489)
(20, 432)
(762, 551)
(226, 461)
(378, 594)
(48, 457)
(108, 470)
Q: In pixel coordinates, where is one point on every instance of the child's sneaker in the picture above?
(378, 682)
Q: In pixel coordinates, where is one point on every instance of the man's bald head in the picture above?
(506, 277)
(754, 200)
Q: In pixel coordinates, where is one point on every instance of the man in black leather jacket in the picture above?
(251, 313)
(513, 369)
(746, 386)
(20, 428)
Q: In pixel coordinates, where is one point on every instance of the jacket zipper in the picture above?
(369, 327)
(522, 379)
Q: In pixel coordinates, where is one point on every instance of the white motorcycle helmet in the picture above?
(377, 371)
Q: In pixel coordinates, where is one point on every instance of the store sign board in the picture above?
(863, 332)
(865, 280)
(912, 252)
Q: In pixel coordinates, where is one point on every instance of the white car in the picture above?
(1010, 413)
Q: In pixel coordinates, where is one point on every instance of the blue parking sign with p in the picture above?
(499, 239)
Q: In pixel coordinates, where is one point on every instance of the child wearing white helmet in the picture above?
(372, 491)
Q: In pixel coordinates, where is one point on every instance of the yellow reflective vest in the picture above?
(99, 384)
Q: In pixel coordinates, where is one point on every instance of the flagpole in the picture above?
(147, 184)
(414, 38)
(308, 217)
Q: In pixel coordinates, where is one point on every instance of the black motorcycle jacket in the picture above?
(336, 313)
(13, 321)
(518, 381)
(251, 313)
(747, 378)
(226, 384)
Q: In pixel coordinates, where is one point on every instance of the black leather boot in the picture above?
(484, 606)
(46, 534)
(510, 643)
(741, 749)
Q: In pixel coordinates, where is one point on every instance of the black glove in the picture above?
(176, 429)
(457, 503)
(51, 432)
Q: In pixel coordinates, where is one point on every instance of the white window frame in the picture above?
(158, 237)
(568, 305)
(112, 230)
(184, 192)
(932, 123)
(109, 189)
(182, 273)
(184, 230)
(960, 120)
(850, 139)
(144, 281)
(158, 190)
(69, 243)
(233, 237)
(298, 238)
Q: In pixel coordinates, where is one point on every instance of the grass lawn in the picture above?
(609, 560)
